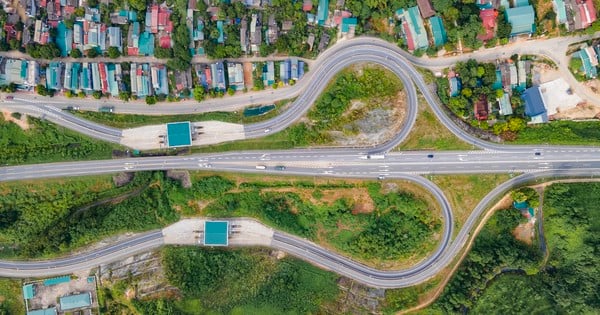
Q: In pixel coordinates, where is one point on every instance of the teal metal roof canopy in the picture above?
(179, 134)
(216, 233)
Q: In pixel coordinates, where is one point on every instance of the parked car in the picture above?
(280, 168)
(10, 97)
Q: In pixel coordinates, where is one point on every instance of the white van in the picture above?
(261, 167)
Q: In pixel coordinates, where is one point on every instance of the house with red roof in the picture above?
(587, 12)
(480, 108)
(488, 18)
(11, 31)
(307, 5)
(426, 8)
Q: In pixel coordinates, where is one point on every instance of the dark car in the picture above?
(430, 156)
(280, 168)
(538, 153)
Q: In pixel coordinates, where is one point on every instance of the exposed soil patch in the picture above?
(21, 122)
(581, 111)
(372, 121)
(524, 233)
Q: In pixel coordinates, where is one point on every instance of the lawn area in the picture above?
(11, 297)
(429, 134)
(561, 132)
(46, 142)
(124, 121)
(465, 191)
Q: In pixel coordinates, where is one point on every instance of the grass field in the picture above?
(429, 134)
(561, 132)
(465, 191)
(131, 120)
(11, 301)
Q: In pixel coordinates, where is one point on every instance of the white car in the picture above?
(267, 130)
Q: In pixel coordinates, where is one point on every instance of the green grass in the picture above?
(525, 293)
(46, 142)
(133, 120)
(11, 301)
(429, 134)
(561, 132)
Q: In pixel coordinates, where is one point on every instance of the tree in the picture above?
(230, 91)
(199, 93)
(113, 52)
(75, 53)
(163, 53)
(97, 95)
(124, 95)
(91, 53)
(150, 100)
(42, 90)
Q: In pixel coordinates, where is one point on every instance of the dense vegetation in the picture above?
(11, 301)
(330, 111)
(494, 249)
(562, 132)
(45, 142)
(54, 217)
(241, 282)
(400, 225)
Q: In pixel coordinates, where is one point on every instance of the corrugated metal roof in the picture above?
(438, 31)
(75, 301)
(522, 20)
(216, 233)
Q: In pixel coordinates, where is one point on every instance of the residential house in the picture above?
(521, 3)
(268, 75)
(322, 12)
(488, 18)
(349, 26)
(284, 72)
(589, 60)
(413, 28)
(504, 105)
(272, 30)
(114, 38)
(255, 33)
(235, 74)
(514, 77)
(560, 10)
(425, 8)
(522, 20)
(438, 31)
(157, 19)
(221, 38)
(454, 83)
(293, 69)
(183, 80)
(146, 44)
(480, 108)
(244, 35)
(323, 41)
(287, 26)
(307, 5)
(338, 15)
(522, 75)
(218, 76)
(160, 82)
(133, 37)
(111, 72)
(24, 74)
(54, 75)
(141, 84)
(535, 108)
(582, 14)
(85, 79)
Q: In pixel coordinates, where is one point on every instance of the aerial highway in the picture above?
(534, 161)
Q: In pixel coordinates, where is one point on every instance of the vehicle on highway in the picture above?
(261, 167)
(72, 108)
(9, 97)
(280, 168)
(538, 153)
(267, 130)
(373, 157)
(381, 177)
(430, 156)
(106, 109)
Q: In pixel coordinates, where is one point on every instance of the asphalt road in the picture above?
(534, 161)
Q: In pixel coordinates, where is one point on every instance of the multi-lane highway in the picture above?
(534, 161)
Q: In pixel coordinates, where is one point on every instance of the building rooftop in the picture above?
(46, 311)
(438, 31)
(522, 20)
(216, 233)
(426, 8)
(179, 134)
(75, 301)
(534, 103)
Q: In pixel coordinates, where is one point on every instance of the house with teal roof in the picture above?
(413, 28)
(53, 74)
(561, 11)
(146, 44)
(348, 23)
(322, 11)
(588, 62)
(437, 31)
(522, 20)
(521, 3)
(221, 38)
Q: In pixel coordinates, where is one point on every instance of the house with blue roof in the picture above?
(413, 28)
(560, 10)
(455, 85)
(322, 12)
(522, 20)
(437, 31)
(53, 76)
(521, 3)
(535, 107)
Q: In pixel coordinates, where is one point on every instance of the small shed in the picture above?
(179, 134)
